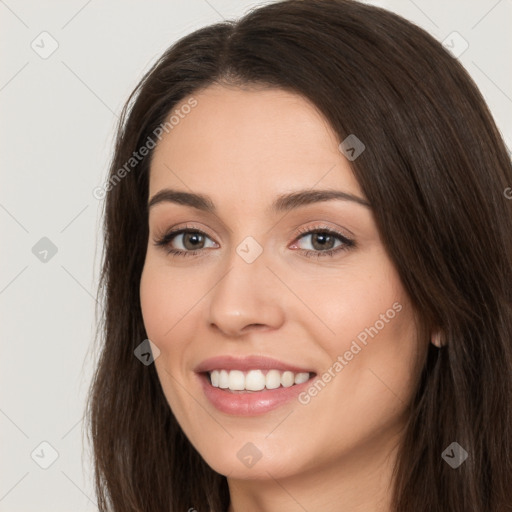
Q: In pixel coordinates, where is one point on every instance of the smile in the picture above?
(256, 380)
(251, 385)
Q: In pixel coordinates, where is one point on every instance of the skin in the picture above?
(243, 148)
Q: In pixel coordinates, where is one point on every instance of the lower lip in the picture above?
(250, 403)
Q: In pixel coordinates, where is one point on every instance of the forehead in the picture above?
(257, 141)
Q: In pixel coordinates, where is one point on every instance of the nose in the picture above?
(247, 296)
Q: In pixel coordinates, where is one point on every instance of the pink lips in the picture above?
(248, 403)
(246, 363)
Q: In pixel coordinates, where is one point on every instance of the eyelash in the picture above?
(347, 243)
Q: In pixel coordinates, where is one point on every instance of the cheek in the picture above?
(172, 310)
(165, 305)
(359, 303)
(163, 311)
(373, 350)
(166, 298)
(154, 301)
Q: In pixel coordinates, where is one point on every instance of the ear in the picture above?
(436, 339)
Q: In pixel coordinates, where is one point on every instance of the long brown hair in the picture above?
(434, 170)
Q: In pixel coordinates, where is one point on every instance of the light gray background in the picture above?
(58, 116)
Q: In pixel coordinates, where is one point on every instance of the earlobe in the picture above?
(436, 339)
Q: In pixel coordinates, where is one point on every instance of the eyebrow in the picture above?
(282, 203)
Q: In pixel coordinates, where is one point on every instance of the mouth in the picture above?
(251, 385)
(250, 402)
(255, 380)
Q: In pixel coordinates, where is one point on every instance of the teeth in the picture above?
(301, 377)
(223, 379)
(273, 379)
(255, 380)
(287, 379)
(236, 380)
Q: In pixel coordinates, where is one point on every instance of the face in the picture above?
(287, 343)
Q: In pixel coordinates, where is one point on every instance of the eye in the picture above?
(324, 242)
(189, 241)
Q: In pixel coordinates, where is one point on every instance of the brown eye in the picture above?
(188, 242)
(322, 241)
(193, 240)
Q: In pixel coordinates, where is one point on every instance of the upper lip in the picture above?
(252, 362)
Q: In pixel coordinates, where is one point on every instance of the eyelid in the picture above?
(324, 225)
(322, 228)
(178, 228)
(170, 234)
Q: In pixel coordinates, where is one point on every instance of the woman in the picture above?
(306, 216)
